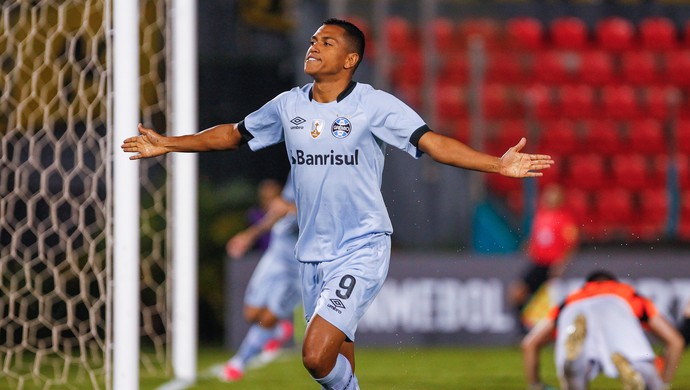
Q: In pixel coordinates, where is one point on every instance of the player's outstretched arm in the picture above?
(513, 163)
(151, 144)
(239, 244)
(531, 344)
(673, 345)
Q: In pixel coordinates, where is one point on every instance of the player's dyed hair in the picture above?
(600, 276)
(353, 34)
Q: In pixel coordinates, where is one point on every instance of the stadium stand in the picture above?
(525, 33)
(615, 34)
(658, 34)
(569, 33)
(607, 97)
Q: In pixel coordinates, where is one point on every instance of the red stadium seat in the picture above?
(525, 33)
(451, 102)
(508, 134)
(652, 214)
(646, 136)
(658, 33)
(461, 130)
(682, 136)
(677, 65)
(579, 202)
(613, 209)
(444, 34)
(399, 34)
(559, 137)
(577, 101)
(487, 30)
(602, 136)
(615, 34)
(660, 101)
(639, 68)
(497, 101)
(551, 67)
(586, 171)
(682, 163)
(659, 168)
(569, 33)
(540, 99)
(654, 204)
(504, 67)
(454, 70)
(409, 70)
(686, 33)
(596, 68)
(630, 171)
(619, 102)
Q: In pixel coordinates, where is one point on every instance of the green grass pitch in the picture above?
(412, 368)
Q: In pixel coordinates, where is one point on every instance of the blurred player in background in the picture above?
(274, 288)
(267, 191)
(601, 328)
(335, 131)
(552, 242)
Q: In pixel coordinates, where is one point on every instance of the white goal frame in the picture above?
(184, 249)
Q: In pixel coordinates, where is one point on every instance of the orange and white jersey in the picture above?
(616, 317)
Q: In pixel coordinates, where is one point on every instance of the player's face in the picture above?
(328, 53)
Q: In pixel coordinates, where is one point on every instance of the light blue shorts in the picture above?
(275, 281)
(340, 291)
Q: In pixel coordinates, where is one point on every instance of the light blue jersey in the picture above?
(275, 281)
(336, 151)
(286, 227)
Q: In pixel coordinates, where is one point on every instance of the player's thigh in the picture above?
(350, 284)
(275, 282)
(285, 294)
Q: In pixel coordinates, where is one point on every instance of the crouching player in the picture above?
(600, 328)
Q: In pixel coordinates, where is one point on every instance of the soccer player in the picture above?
(267, 190)
(335, 130)
(274, 288)
(552, 242)
(600, 328)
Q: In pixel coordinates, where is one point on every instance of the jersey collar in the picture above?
(348, 90)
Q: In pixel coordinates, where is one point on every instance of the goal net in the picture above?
(55, 181)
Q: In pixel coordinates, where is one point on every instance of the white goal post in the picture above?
(184, 192)
(84, 288)
(125, 200)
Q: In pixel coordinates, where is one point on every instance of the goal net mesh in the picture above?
(55, 235)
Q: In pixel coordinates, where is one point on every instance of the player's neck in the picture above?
(326, 91)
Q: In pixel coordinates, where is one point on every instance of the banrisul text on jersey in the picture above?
(299, 157)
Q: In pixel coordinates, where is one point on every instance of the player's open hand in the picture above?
(516, 164)
(147, 144)
(240, 244)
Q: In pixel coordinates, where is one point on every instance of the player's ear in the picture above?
(351, 60)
